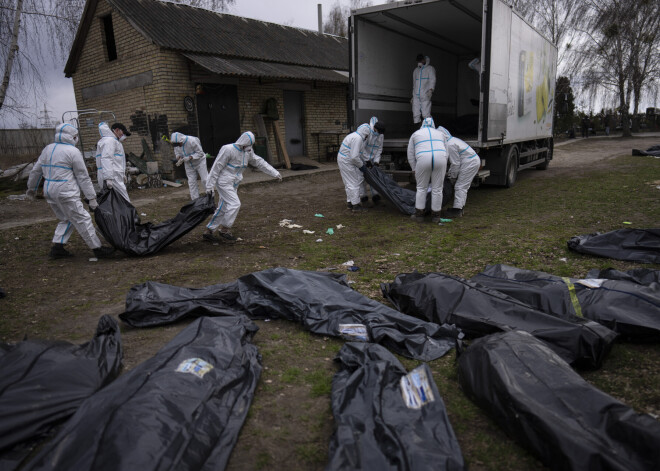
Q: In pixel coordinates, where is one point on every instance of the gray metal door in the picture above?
(293, 122)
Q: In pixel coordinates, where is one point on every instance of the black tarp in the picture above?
(43, 382)
(120, 225)
(547, 407)
(182, 409)
(641, 276)
(478, 310)
(323, 303)
(402, 198)
(387, 418)
(627, 307)
(653, 151)
(632, 245)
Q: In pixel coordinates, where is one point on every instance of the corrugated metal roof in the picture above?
(253, 68)
(196, 30)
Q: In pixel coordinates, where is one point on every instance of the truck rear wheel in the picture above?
(511, 166)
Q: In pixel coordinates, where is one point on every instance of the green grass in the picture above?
(290, 423)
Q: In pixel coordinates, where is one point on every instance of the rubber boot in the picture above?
(375, 199)
(58, 251)
(418, 216)
(358, 208)
(454, 213)
(349, 205)
(435, 217)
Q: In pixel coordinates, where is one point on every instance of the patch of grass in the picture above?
(291, 375)
(320, 381)
(312, 453)
(263, 461)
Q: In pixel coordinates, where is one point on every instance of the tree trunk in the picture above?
(13, 50)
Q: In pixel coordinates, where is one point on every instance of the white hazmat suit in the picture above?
(226, 174)
(111, 161)
(423, 86)
(194, 160)
(63, 169)
(427, 156)
(350, 161)
(464, 164)
(373, 148)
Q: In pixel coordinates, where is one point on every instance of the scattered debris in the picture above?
(305, 231)
(169, 183)
(319, 215)
(330, 231)
(350, 263)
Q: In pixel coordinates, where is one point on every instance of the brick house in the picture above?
(162, 67)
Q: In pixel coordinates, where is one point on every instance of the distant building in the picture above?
(161, 67)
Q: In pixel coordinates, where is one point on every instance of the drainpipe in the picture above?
(320, 8)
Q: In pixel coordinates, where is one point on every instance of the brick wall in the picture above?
(323, 106)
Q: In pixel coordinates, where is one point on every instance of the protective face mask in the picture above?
(419, 64)
(247, 149)
(122, 138)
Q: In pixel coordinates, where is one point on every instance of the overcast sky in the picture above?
(298, 13)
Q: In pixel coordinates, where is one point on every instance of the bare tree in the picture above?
(36, 33)
(620, 53)
(337, 22)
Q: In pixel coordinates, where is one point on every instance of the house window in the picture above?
(109, 38)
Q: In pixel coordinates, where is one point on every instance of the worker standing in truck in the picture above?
(423, 86)
(464, 164)
(427, 157)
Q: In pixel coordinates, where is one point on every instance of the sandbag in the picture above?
(387, 418)
(181, 409)
(323, 303)
(120, 225)
(622, 304)
(632, 245)
(402, 198)
(43, 382)
(547, 407)
(478, 310)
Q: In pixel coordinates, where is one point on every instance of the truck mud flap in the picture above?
(628, 307)
(181, 409)
(632, 245)
(324, 303)
(478, 310)
(44, 382)
(387, 418)
(542, 403)
(120, 225)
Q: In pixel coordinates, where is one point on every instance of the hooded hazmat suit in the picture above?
(194, 159)
(427, 156)
(226, 174)
(350, 161)
(464, 164)
(62, 166)
(373, 147)
(111, 160)
(423, 86)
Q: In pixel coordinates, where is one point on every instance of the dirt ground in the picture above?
(64, 299)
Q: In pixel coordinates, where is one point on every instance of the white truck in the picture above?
(495, 79)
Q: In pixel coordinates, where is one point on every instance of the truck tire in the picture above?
(511, 166)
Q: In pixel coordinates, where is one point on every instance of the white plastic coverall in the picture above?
(427, 156)
(62, 166)
(226, 174)
(350, 162)
(111, 160)
(371, 152)
(464, 164)
(423, 86)
(194, 159)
